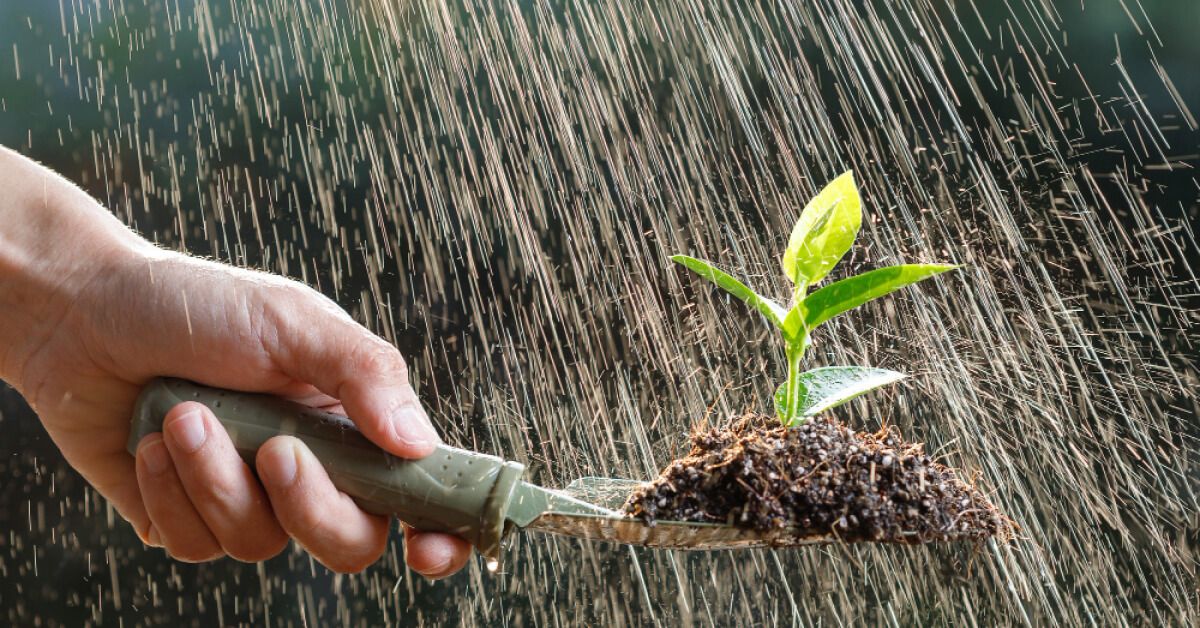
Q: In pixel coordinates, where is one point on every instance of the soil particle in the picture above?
(820, 476)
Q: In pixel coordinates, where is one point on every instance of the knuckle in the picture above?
(347, 567)
(355, 561)
(252, 534)
(297, 294)
(147, 534)
(330, 544)
(276, 310)
(292, 293)
(270, 282)
(194, 552)
(211, 490)
(289, 304)
(374, 355)
(259, 549)
(309, 523)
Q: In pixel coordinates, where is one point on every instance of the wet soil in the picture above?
(822, 477)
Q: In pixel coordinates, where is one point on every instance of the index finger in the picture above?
(312, 340)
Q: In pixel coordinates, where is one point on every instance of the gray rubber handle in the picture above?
(451, 490)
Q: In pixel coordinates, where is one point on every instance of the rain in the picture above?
(495, 187)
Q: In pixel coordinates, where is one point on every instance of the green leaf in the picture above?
(792, 322)
(852, 292)
(825, 231)
(825, 388)
(772, 310)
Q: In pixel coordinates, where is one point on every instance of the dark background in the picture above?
(136, 104)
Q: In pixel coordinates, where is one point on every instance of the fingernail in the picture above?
(155, 457)
(188, 430)
(412, 427)
(281, 467)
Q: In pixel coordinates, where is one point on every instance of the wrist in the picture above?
(55, 240)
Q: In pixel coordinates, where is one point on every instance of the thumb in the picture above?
(312, 340)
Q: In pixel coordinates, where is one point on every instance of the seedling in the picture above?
(826, 229)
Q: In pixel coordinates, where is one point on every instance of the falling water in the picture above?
(495, 187)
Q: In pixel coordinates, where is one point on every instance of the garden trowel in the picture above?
(479, 497)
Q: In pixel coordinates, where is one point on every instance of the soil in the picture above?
(820, 477)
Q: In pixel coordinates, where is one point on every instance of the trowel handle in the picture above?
(451, 490)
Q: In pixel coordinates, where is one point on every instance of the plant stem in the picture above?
(795, 353)
(796, 345)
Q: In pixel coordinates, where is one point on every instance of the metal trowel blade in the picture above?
(589, 508)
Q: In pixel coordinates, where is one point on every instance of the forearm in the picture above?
(54, 239)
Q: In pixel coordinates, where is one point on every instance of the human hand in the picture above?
(98, 330)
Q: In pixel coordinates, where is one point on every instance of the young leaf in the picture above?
(793, 322)
(772, 310)
(825, 388)
(826, 229)
(852, 292)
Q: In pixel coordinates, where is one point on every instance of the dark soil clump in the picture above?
(820, 477)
